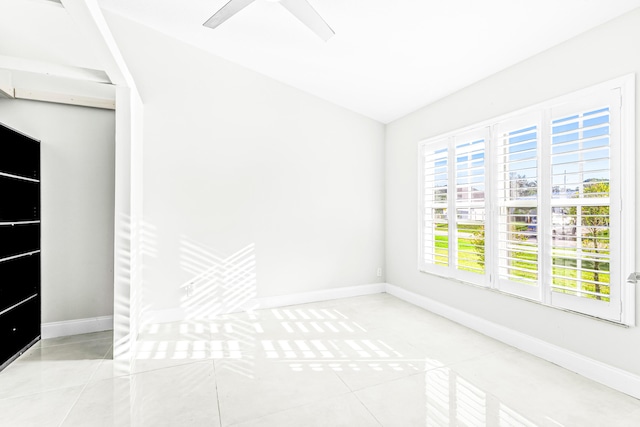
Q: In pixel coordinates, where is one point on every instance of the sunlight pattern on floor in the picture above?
(365, 361)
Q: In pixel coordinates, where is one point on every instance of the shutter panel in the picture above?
(584, 226)
(435, 196)
(470, 205)
(518, 199)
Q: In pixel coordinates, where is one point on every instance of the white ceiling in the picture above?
(387, 59)
(43, 48)
(44, 31)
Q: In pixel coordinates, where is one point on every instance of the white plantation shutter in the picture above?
(469, 205)
(517, 182)
(454, 206)
(532, 204)
(435, 228)
(585, 211)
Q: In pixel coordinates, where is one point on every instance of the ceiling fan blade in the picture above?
(302, 10)
(226, 12)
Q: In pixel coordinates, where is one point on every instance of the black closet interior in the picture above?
(19, 243)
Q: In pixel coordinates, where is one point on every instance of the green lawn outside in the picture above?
(525, 261)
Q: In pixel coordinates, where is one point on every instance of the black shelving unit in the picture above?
(19, 243)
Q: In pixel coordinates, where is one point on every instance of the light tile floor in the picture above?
(365, 361)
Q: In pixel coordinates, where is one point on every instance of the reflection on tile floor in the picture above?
(365, 361)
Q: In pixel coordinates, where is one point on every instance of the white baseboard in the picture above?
(76, 327)
(180, 314)
(608, 375)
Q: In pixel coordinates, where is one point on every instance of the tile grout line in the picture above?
(435, 368)
(357, 398)
(290, 409)
(75, 343)
(215, 380)
(367, 408)
(66, 416)
(215, 376)
(191, 362)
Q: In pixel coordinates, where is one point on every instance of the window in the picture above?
(534, 203)
(456, 163)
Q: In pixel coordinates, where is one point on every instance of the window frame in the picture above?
(622, 310)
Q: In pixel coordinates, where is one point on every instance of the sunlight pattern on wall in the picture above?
(218, 284)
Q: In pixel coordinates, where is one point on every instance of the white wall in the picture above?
(606, 52)
(77, 162)
(251, 187)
